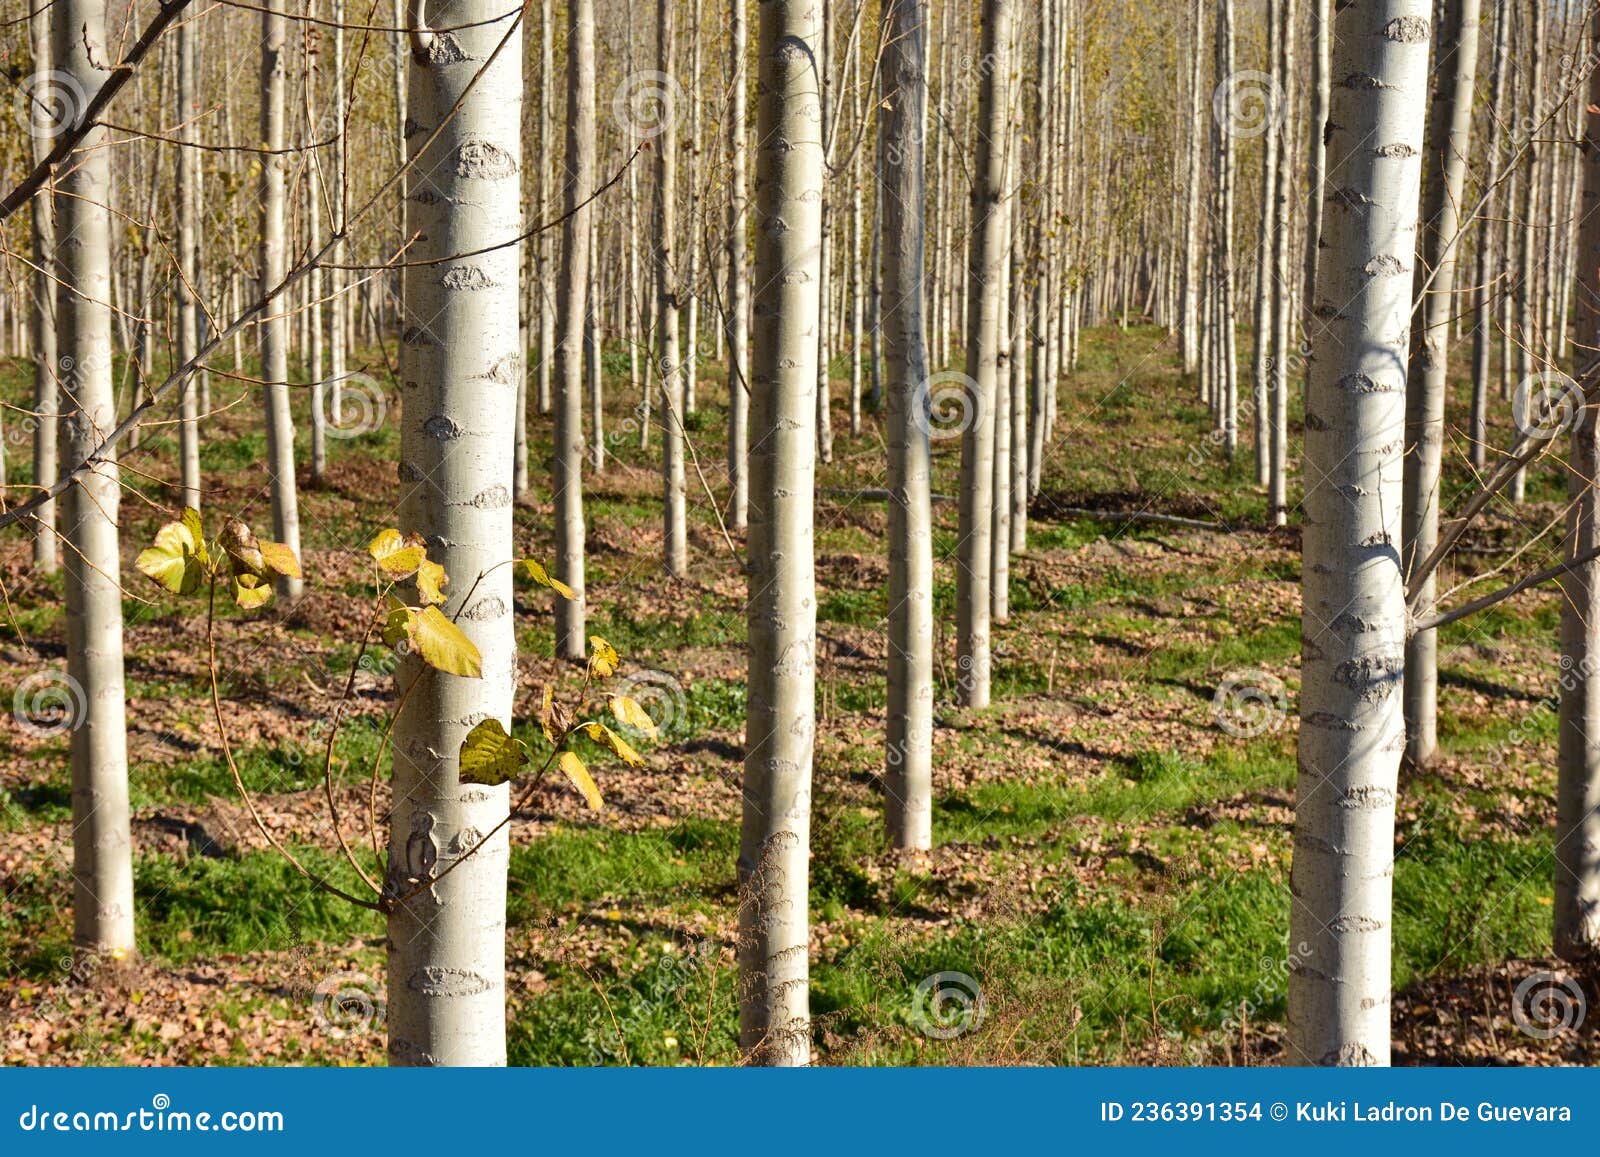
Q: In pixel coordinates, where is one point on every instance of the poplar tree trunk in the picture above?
(908, 756)
(1317, 154)
(1489, 256)
(1449, 139)
(985, 280)
(572, 305)
(1267, 289)
(274, 327)
(102, 859)
(1577, 883)
(775, 839)
(547, 317)
(674, 538)
(1354, 616)
(1192, 268)
(459, 360)
(738, 283)
(45, 402)
(1283, 295)
(188, 163)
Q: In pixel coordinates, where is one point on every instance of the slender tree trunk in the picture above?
(546, 242)
(102, 860)
(824, 350)
(738, 282)
(447, 941)
(1449, 139)
(1354, 619)
(1192, 278)
(774, 1003)
(1317, 154)
(675, 539)
(1267, 290)
(1490, 255)
(274, 328)
(985, 280)
(188, 161)
(1577, 884)
(45, 402)
(1283, 295)
(572, 308)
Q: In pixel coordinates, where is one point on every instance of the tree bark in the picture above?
(459, 365)
(1354, 617)
(1449, 140)
(675, 535)
(738, 279)
(774, 1017)
(45, 403)
(102, 860)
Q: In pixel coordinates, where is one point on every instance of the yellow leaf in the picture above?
(630, 714)
(572, 767)
(251, 592)
(442, 644)
(603, 658)
(279, 559)
(398, 557)
(489, 756)
(545, 713)
(431, 581)
(532, 568)
(619, 746)
(174, 561)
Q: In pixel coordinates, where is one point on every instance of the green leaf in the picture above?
(619, 746)
(175, 560)
(532, 568)
(442, 644)
(489, 756)
(572, 767)
(191, 519)
(630, 714)
(398, 625)
(603, 657)
(250, 592)
(398, 557)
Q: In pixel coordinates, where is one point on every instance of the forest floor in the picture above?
(1111, 861)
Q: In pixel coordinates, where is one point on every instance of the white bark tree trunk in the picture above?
(45, 404)
(675, 534)
(1449, 139)
(738, 280)
(459, 367)
(775, 840)
(908, 764)
(572, 307)
(1351, 723)
(1577, 883)
(102, 859)
(985, 281)
(274, 328)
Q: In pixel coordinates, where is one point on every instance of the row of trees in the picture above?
(904, 192)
